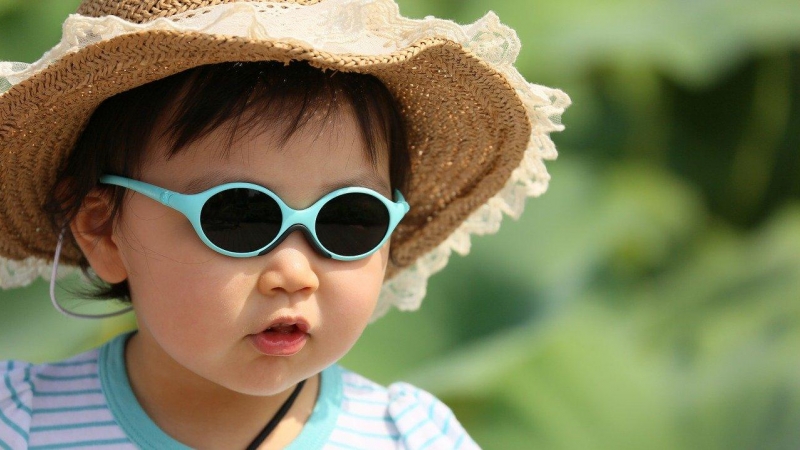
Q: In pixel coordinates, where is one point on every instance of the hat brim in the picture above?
(468, 129)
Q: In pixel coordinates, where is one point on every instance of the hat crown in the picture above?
(141, 11)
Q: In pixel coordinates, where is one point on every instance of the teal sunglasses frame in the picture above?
(191, 206)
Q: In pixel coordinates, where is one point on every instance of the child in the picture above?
(234, 171)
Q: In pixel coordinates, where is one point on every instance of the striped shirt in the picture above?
(87, 402)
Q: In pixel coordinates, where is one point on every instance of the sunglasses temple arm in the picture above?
(148, 190)
(401, 201)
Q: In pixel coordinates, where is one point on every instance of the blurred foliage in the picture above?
(650, 298)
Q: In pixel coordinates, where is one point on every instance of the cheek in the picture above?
(350, 307)
(198, 295)
(177, 283)
(195, 314)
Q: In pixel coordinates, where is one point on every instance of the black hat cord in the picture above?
(276, 419)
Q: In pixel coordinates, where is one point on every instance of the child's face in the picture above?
(198, 311)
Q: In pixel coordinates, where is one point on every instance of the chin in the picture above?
(267, 382)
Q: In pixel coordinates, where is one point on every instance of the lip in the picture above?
(284, 336)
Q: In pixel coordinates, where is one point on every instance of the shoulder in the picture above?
(27, 389)
(424, 421)
(410, 416)
(16, 401)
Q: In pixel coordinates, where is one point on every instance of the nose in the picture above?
(289, 268)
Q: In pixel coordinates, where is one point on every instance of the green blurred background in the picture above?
(650, 300)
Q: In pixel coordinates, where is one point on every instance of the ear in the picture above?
(94, 234)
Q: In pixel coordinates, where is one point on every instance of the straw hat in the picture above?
(478, 132)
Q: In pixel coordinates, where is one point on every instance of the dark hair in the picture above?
(193, 103)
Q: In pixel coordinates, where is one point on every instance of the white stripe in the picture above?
(67, 417)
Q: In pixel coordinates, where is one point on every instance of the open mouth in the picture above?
(281, 338)
(284, 328)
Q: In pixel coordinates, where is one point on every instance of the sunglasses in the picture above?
(245, 219)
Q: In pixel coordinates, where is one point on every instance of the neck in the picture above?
(202, 414)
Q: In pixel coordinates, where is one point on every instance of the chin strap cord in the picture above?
(55, 303)
(276, 419)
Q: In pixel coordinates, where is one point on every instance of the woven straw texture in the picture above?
(478, 132)
(140, 11)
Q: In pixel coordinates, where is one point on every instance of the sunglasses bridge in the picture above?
(308, 236)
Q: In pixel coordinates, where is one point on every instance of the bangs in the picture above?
(270, 96)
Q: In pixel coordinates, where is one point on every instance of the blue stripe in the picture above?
(404, 412)
(431, 418)
(408, 408)
(73, 363)
(460, 441)
(386, 419)
(71, 426)
(14, 396)
(68, 409)
(67, 393)
(365, 387)
(13, 426)
(365, 401)
(81, 444)
(5, 446)
(416, 427)
(430, 410)
(66, 377)
(393, 437)
(430, 441)
(446, 424)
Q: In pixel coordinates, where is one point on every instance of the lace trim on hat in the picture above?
(14, 273)
(364, 27)
(545, 106)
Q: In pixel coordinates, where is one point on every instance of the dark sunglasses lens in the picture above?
(352, 224)
(241, 220)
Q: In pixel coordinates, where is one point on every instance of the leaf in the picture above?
(703, 356)
(630, 216)
(571, 383)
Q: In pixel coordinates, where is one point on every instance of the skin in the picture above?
(192, 365)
